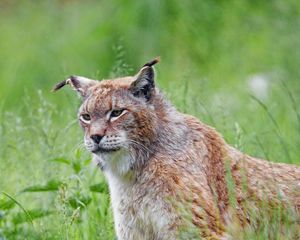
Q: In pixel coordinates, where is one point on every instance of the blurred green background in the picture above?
(234, 64)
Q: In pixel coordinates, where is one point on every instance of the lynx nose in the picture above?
(97, 138)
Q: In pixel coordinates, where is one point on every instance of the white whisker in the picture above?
(139, 144)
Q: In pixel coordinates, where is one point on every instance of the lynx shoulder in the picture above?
(167, 171)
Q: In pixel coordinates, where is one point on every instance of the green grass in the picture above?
(209, 51)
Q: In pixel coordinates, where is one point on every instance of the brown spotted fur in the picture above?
(178, 169)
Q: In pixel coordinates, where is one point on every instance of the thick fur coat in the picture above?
(167, 171)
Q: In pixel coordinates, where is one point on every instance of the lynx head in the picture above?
(117, 114)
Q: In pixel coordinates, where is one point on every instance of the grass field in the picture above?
(233, 64)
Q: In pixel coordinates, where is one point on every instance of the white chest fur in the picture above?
(122, 193)
(139, 213)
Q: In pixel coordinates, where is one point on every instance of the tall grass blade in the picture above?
(35, 214)
(61, 160)
(278, 132)
(20, 205)
(99, 188)
(293, 101)
(6, 205)
(52, 185)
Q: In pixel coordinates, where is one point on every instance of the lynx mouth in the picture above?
(106, 150)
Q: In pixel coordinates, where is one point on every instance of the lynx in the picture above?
(167, 171)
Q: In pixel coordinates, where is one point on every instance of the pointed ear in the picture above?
(144, 84)
(80, 84)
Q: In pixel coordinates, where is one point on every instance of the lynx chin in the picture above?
(167, 171)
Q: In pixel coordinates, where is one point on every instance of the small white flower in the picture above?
(259, 86)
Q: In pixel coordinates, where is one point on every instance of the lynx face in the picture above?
(117, 115)
(111, 118)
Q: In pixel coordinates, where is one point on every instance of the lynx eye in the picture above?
(85, 117)
(116, 113)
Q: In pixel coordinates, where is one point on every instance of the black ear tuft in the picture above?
(153, 62)
(144, 84)
(80, 84)
(59, 85)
